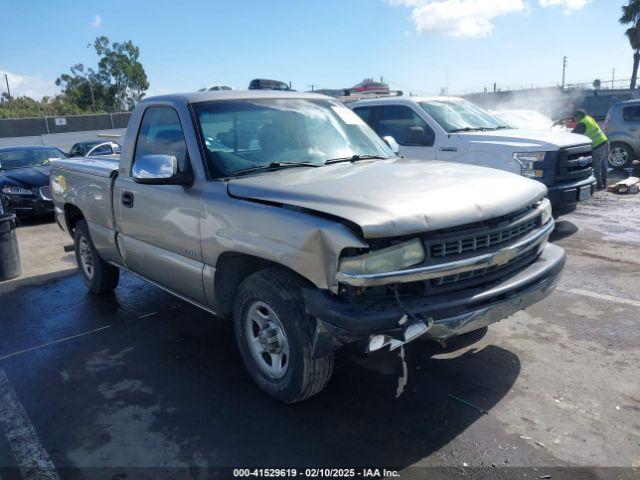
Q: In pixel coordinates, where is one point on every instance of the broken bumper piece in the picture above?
(380, 323)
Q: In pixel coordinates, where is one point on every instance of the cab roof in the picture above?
(196, 97)
(403, 99)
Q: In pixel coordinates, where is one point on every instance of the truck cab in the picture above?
(456, 130)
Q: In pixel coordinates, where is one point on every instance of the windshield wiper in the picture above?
(354, 158)
(465, 129)
(475, 129)
(274, 166)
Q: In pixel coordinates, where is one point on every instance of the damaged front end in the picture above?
(468, 278)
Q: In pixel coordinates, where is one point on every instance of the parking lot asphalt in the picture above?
(142, 379)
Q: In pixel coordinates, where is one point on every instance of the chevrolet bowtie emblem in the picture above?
(503, 256)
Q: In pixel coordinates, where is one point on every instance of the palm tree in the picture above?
(631, 16)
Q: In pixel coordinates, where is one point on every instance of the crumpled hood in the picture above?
(389, 198)
(26, 177)
(529, 140)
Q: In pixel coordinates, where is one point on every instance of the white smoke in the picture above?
(552, 102)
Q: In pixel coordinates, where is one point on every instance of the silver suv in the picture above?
(622, 127)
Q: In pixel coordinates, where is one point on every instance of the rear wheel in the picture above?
(98, 275)
(620, 155)
(275, 337)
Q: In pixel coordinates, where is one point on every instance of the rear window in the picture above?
(631, 113)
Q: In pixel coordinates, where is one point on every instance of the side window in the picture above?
(103, 150)
(161, 134)
(631, 113)
(405, 126)
(365, 114)
(75, 150)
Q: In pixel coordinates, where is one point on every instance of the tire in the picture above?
(98, 275)
(620, 156)
(275, 336)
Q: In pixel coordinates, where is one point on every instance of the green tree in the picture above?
(631, 16)
(120, 69)
(85, 89)
(118, 83)
(24, 106)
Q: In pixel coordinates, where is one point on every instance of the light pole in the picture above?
(564, 70)
(6, 79)
(613, 77)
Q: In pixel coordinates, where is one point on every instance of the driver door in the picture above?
(159, 225)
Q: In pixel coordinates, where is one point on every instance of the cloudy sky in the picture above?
(418, 45)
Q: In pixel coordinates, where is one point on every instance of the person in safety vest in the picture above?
(586, 125)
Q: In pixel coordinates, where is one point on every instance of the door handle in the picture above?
(127, 199)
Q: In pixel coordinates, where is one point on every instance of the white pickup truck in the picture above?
(453, 129)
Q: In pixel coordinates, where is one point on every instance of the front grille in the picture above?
(574, 163)
(474, 274)
(45, 193)
(476, 239)
(482, 241)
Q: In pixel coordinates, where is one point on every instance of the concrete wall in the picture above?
(64, 141)
(62, 131)
(554, 102)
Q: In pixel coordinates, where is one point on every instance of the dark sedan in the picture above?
(24, 178)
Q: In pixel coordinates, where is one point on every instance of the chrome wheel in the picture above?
(266, 339)
(86, 257)
(618, 156)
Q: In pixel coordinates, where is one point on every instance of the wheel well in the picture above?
(232, 268)
(72, 215)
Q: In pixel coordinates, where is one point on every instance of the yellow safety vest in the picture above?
(593, 131)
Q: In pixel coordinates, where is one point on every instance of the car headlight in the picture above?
(545, 207)
(531, 163)
(16, 190)
(390, 259)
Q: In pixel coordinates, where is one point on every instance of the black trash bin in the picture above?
(9, 253)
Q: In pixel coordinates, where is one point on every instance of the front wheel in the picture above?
(620, 155)
(275, 337)
(98, 275)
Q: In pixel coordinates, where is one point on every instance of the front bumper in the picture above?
(31, 206)
(568, 194)
(339, 322)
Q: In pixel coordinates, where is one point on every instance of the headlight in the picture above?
(16, 190)
(531, 163)
(396, 257)
(545, 206)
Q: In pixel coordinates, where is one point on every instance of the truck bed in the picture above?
(86, 184)
(98, 166)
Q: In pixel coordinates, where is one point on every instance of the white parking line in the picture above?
(602, 296)
(32, 459)
(9, 355)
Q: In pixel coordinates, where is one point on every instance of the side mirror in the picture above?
(393, 145)
(158, 170)
(417, 136)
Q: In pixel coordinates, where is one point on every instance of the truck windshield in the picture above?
(244, 135)
(25, 157)
(455, 115)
